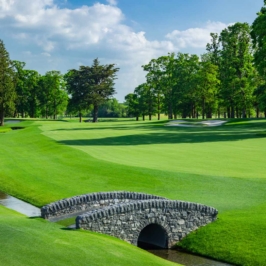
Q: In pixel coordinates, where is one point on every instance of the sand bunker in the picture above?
(183, 123)
(12, 121)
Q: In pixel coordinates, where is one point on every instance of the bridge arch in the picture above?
(132, 216)
(128, 221)
(153, 235)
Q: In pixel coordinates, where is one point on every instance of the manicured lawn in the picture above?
(223, 167)
(34, 242)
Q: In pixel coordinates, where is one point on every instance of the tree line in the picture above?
(229, 80)
(26, 93)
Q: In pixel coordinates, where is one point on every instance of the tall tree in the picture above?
(92, 85)
(7, 83)
(207, 84)
(99, 80)
(21, 89)
(258, 34)
(237, 70)
(153, 78)
(132, 103)
(77, 91)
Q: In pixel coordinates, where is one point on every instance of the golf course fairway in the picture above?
(223, 167)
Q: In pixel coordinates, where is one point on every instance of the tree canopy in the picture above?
(7, 84)
(91, 85)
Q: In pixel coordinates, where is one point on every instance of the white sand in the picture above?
(12, 121)
(210, 123)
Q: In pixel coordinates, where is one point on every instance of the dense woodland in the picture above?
(228, 81)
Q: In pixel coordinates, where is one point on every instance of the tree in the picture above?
(207, 84)
(146, 100)
(77, 102)
(92, 85)
(153, 78)
(112, 108)
(21, 89)
(7, 83)
(132, 104)
(236, 68)
(258, 34)
(99, 80)
(52, 94)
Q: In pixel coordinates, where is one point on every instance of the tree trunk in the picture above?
(143, 117)
(244, 113)
(257, 112)
(170, 110)
(203, 109)
(228, 112)
(232, 112)
(158, 109)
(95, 113)
(80, 117)
(54, 110)
(2, 117)
(137, 118)
(150, 116)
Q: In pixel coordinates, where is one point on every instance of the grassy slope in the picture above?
(223, 168)
(37, 242)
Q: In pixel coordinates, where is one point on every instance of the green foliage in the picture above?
(258, 35)
(7, 82)
(112, 108)
(237, 70)
(91, 85)
(207, 83)
(52, 94)
(133, 106)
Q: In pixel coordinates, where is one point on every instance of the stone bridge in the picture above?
(134, 217)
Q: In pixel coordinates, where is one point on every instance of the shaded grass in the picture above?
(222, 167)
(37, 242)
(238, 237)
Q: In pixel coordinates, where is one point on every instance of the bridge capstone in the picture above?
(133, 217)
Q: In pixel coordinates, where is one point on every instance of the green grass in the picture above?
(34, 242)
(223, 167)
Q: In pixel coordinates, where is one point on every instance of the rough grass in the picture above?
(223, 167)
(34, 242)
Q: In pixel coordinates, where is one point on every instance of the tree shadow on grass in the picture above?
(167, 138)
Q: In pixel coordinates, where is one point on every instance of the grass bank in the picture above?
(34, 242)
(223, 167)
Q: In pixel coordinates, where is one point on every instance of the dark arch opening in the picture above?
(153, 236)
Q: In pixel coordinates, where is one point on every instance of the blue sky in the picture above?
(64, 34)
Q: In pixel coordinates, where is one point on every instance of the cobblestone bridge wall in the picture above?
(127, 220)
(79, 204)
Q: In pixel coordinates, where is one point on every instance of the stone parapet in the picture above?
(79, 204)
(127, 220)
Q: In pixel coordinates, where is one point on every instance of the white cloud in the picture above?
(195, 37)
(66, 37)
(112, 2)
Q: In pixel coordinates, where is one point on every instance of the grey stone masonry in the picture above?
(79, 204)
(127, 220)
